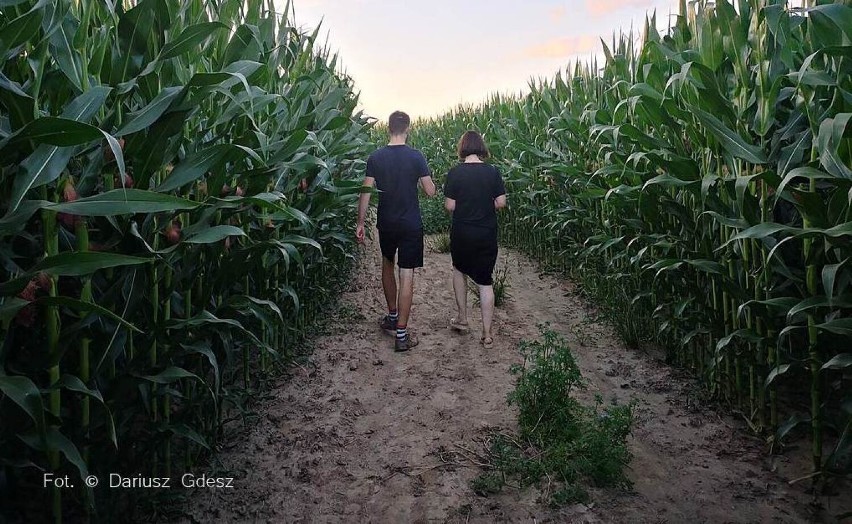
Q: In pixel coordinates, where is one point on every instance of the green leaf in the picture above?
(667, 180)
(86, 307)
(289, 214)
(43, 166)
(14, 221)
(260, 302)
(135, 30)
(801, 172)
(169, 375)
(199, 163)
(205, 317)
(645, 90)
(815, 302)
(226, 79)
(829, 277)
(85, 107)
(117, 153)
(760, 231)
(190, 38)
(214, 234)
(830, 141)
(745, 334)
(258, 308)
(203, 348)
(788, 426)
(736, 223)
(292, 294)
(10, 307)
(72, 383)
(57, 132)
(124, 202)
(244, 43)
(20, 105)
(840, 230)
(841, 361)
(832, 23)
(55, 14)
(298, 239)
(730, 140)
(708, 266)
(291, 144)
(781, 304)
(145, 117)
(63, 51)
(775, 373)
(182, 430)
(194, 167)
(794, 153)
(838, 326)
(18, 30)
(84, 263)
(46, 163)
(23, 392)
(56, 441)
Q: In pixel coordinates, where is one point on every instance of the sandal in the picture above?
(461, 327)
(487, 342)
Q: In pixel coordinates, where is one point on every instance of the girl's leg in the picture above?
(460, 289)
(486, 301)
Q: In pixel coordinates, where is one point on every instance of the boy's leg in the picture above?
(406, 295)
(389, 243)
(404, 339)
(410, 257)
(389, 283)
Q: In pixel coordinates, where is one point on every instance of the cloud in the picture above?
(563, 47)
(608, 7)
(557, 14)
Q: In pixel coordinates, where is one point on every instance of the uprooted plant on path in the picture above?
(563, 445)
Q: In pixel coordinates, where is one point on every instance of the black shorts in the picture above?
(474, 252)
(409, 244)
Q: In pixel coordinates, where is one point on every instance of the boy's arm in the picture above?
(428, 185)
(363, 204)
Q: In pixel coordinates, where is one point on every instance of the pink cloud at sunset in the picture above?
(608, 7)
(557, 14)
(563, 47)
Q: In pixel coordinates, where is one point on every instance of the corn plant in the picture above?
(697, 184)
(177, 180)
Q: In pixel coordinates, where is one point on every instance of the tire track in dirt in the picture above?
(363, 434)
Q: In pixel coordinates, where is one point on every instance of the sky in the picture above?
(427, 56)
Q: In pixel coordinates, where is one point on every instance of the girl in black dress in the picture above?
(474, 192)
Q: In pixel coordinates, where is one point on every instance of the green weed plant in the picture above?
(560, 438)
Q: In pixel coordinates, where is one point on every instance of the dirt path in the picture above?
(359, 435)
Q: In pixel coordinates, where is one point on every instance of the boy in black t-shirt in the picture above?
(396, 170)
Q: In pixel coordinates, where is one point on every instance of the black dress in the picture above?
(473, 237)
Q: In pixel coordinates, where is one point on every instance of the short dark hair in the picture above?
(471, 143)
(398, 123)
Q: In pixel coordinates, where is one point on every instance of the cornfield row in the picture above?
(698, 185)
(178, 182)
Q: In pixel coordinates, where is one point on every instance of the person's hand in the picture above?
(359, 233)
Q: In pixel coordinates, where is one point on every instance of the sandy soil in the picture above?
(363, 434)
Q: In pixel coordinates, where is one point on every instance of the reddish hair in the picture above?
(471, 143)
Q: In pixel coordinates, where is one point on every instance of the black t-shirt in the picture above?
(397, 169)
(474, 186)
